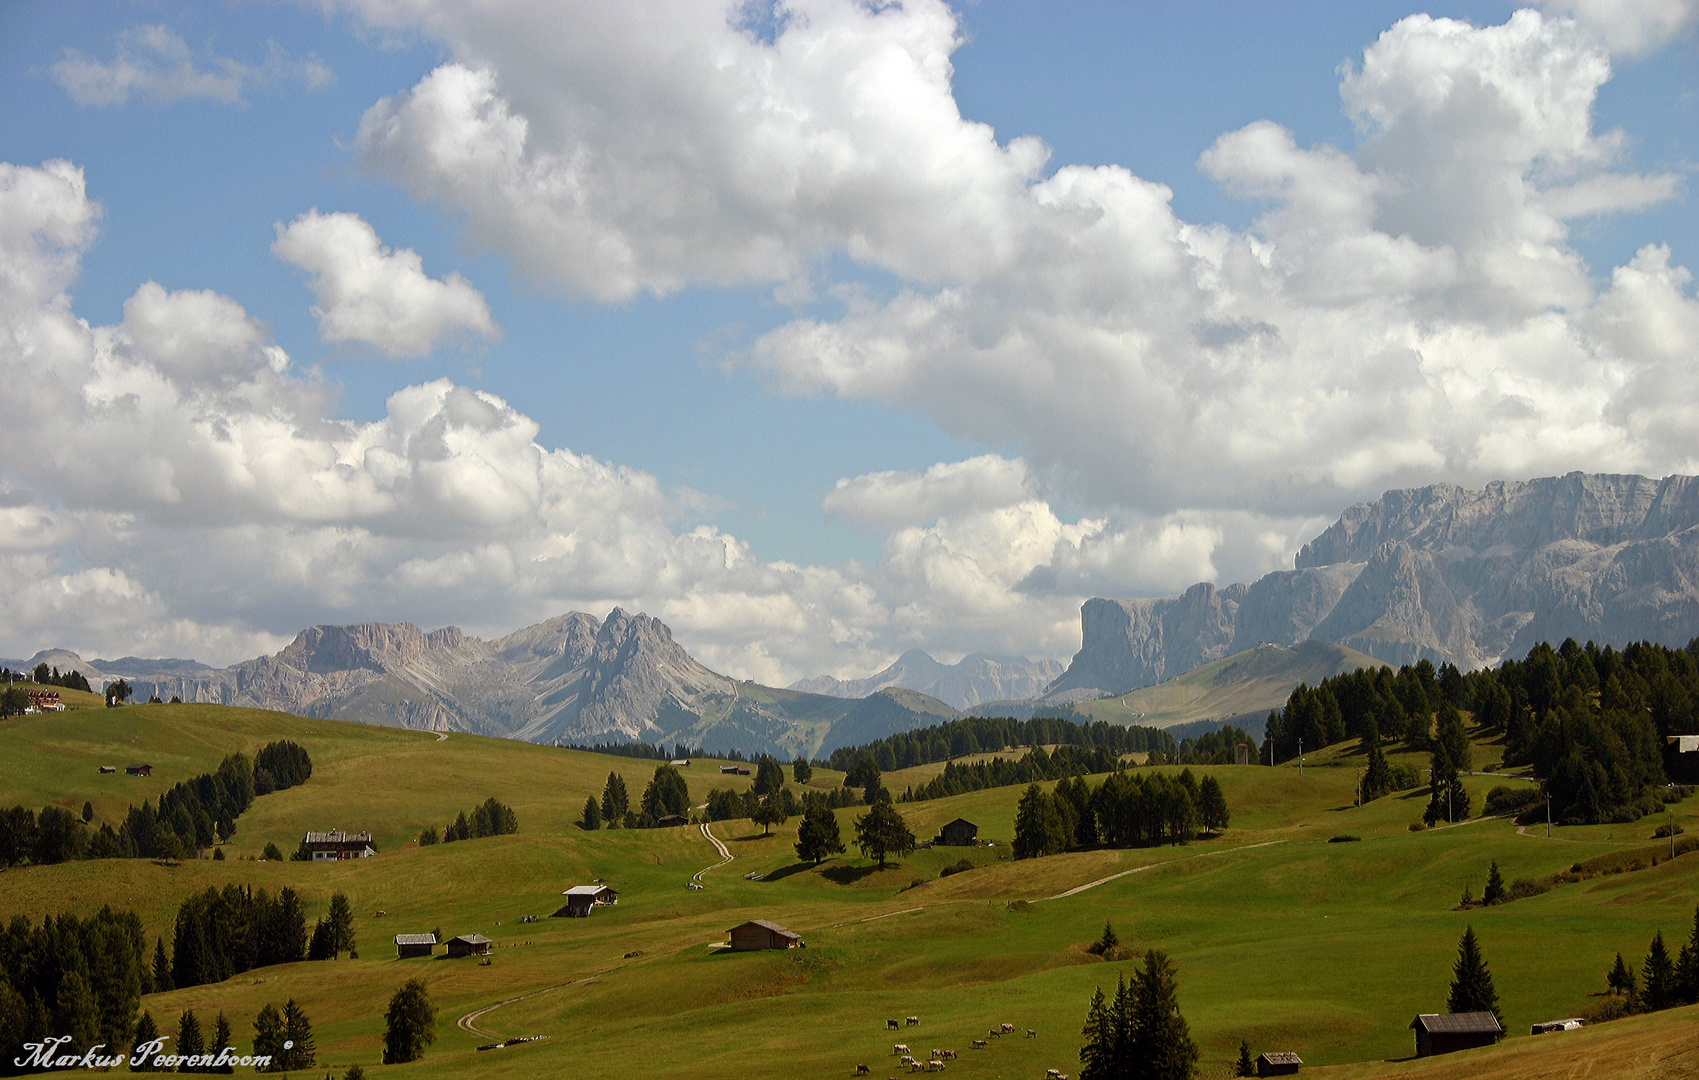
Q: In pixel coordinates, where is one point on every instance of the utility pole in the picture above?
(1300, 757)
(1548, 811)
(1669, 816)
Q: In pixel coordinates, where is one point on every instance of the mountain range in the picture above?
(1443, 573)
(975, 679)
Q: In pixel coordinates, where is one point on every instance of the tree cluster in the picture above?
(1662, 983)
(1139, 1034)
(666, 793)
(651, 751)
(286, 1037)
(69, 976)
(1589, 721)
(1218, 747)
(1127, 810)
(192, 816)
(279, 766)
(333, 934)
(985, 734)
(489, 818)
(220, 933)
(1066, 760)
(46, 676)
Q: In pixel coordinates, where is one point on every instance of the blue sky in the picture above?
(858, 414)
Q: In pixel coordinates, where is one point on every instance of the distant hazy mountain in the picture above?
(1444, 573)
(572, 679)
(974, 679)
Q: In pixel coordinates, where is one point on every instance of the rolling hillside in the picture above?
(1370, 926)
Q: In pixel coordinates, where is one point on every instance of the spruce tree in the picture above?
(268, 1038)
(591, 820)
(298, 1051)
(76, 1012)
(1108, 941)
(1096, 1056)
(1162, 1046)
(1621, 978)
(1495, 887)
(882, 832)
(615, 802)
(1658, 976)
(802, 771)
(1247, 1067)
(189, 1040)
(222, 1038)
(1212, 805)
(1472, 984)
(818, 838)
(1687, 966)
(339, 923)
(146, 1032)
(319, 945)
(355, 1071)
(161, 967)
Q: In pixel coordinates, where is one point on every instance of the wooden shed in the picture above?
(583, 899)
(1278, 1062)
(761, 934)
(109, 768)
(671, 820)
(469, 945)
(411, 945)
(958, 833)
(139, 770)
(1443, 1033)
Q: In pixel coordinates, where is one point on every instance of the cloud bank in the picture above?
(155, 63)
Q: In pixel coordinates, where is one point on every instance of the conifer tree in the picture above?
(268, 1037)
(1247, 1067)
(189, 1039)
(1621, 979)
(615, 802)
(1658, 976)
(1162, 1046)
(76, 1012)
(146, 1031)
(1495, 887)
(1472, 984)
(1687, 966)
(1108, 941)
(802, 771)
(410, 1024)
(318, 946)
(339, 923)
(161, 967)
(298, 1051)
(591, 820)
(818, 837)
(882, 832)
(1096, 1056)
(1212, 805)
(222, 1038)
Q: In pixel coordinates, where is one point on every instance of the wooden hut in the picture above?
(671, 820)
(411, 945)
(761, 934)
(469, 945)
(109, 768)
(1443, 1033)
(583, 899)
(958, 833)
(139, 770)
(1278, 1062)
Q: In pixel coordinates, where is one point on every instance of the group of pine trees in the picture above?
(82, 978)
(986, 734)
(1139, 1034)
(1127, 810)
(491, 817)
(667, 793)
(220, 933)
(1662, 983)
(1589, 721)
(1036, 765)
(191, 817)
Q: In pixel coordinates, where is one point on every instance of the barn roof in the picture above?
(472, 939)
(1281, 1057)
(337, 836)
(961, 821)
(415, 939)
(765, 925)
(587, 890)
(1469, 1023)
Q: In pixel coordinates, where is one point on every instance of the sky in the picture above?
(818, 330)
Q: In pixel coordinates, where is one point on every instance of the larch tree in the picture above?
(1472, 984)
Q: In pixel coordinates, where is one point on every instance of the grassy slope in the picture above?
(1252, 681)
(1327, 949)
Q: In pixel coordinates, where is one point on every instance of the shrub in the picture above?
(1505, 799)
(1019, 905)
(1665, 831)
(1416, 826)
(1403, 777)
(1522, 888)
(1343, 838)
(960, 866)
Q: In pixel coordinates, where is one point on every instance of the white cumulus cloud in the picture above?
(371, 294)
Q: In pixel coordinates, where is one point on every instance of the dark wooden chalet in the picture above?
(1278, 1062)
(1443, 1033)
(583, 899)
(761, 934)
(139, 770)
(411, 945)
(671, 820)
(958, 833)
(469, 945)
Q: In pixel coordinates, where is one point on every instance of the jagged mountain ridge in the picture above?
(973, 680)
(572, 679)
(1446, 573)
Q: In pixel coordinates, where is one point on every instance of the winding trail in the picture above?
(442, 736)
(469, 1022)
(725, 856)
(1151, 866)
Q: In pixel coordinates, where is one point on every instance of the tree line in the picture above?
(1662, 983)
(983, 734)
(1036, 765)
(491, 817)
(1588, 721)
(192, 815)
(666, 794)
(1127, 809)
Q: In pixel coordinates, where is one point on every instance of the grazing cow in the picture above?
(995, 1033)
(1008, 1029)
(899, 1048)
(1052, 1074)
(915, 1066)
(891, 1025)
(862, 1070)
(980, 1044)
(934, 1065)
(914, 1021)
(950, 1054)
(906, 1060)
(1031, 1034)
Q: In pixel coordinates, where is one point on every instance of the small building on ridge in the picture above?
(336, 845)
(1444, 1033)
(1278, 1062)
(761, 934)
(958, 833)
(408, 946)
(469, 945)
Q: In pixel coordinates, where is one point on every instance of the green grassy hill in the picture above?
(1246, 684)
(1279, 937)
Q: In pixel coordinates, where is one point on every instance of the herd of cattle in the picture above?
(936, 1063)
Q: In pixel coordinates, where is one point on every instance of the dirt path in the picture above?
(725, 856)
(442, 736)
(1151, 866)
(469, 1022)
